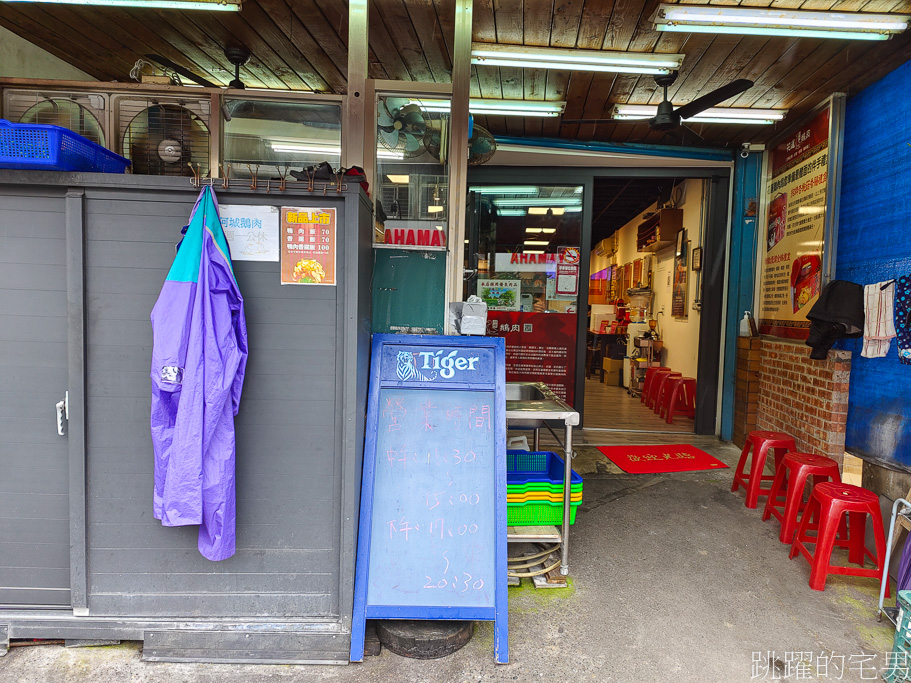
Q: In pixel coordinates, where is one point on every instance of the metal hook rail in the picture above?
(256, 184)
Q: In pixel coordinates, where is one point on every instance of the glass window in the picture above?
(412, 145)
(522, 258)
(280, 136)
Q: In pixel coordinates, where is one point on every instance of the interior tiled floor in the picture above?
(611, 407)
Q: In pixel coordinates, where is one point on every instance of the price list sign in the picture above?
(432, 538)
(307, 238)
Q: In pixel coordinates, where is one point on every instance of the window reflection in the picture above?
(522, 258)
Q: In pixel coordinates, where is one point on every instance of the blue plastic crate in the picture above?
(32, 146)
(523, 467)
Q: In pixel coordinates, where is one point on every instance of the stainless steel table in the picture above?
(530, 405)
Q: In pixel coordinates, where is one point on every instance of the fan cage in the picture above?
(83, 113)
(164, 136)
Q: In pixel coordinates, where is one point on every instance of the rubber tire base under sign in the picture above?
(420, 639)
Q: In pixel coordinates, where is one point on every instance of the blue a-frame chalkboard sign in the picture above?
(432, 532)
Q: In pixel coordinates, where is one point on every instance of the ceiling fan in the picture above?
(668, 118)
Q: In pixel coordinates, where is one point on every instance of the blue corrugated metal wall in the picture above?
(874, 244)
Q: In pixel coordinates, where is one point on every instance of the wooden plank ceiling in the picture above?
(302, 45)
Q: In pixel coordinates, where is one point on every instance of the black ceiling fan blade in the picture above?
(717, 96)
(178, 69)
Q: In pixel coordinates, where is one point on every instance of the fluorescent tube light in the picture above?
(434, 209)
(216, 5)
(532, 251)
(538, 243)
(778, 22)
(498, 107)
(537, 201)
(711, 115)
(573, 209)
(548, 231)
(386, 154)
(397, 179)
(503, 189)
(516, 107)
(574, 60)
(542, 210)
(304, 148)
(510, 212)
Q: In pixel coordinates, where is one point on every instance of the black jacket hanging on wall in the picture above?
(839, 312)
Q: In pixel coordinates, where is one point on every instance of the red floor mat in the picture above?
(653, 459)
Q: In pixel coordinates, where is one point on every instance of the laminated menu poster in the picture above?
(791, 274)
(540, 347)
(500, 295)
(307, 246)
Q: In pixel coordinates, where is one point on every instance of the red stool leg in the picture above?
(825, 542)
(857, 527)
(672, 404)
(777, 484)
(740, 471)
(755, 483)
(806, 521)
(796, 484)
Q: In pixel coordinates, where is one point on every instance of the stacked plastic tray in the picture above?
(32, 146)
(898, 662)
(534, 489)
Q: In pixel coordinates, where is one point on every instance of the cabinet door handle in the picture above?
(63, 414)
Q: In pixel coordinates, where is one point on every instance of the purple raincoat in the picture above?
(199, 355)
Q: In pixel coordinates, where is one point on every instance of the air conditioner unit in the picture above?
(163, 135)
(80, 112)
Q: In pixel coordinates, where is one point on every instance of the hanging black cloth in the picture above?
(839, 312)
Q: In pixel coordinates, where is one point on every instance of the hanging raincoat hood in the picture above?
(199, 355)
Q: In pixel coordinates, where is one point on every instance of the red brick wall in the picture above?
(807, 399)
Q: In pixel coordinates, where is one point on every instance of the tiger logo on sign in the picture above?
(407, 369)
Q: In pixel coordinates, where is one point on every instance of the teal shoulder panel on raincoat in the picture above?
(185, 267)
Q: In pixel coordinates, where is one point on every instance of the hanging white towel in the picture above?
(879, 328)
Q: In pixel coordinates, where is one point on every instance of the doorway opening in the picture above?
(645, 301)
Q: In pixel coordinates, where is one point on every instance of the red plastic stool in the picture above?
(760, 443)
(670, 388)
(647, 382)
(653, 387)
(661, 389)
(682, 399)
(831, 501)
(796, 468)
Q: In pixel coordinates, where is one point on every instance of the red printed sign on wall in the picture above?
(540, 347)
(420, 237)
(805, 142)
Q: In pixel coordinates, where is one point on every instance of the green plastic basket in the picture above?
(535, 486)
(538, 471)
(535, 513)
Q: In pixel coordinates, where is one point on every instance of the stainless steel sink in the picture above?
(516, 391)
(529, 404)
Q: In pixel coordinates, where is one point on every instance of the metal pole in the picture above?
(567, 489)
(458, 147)
(353, 147)
(885, 577)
